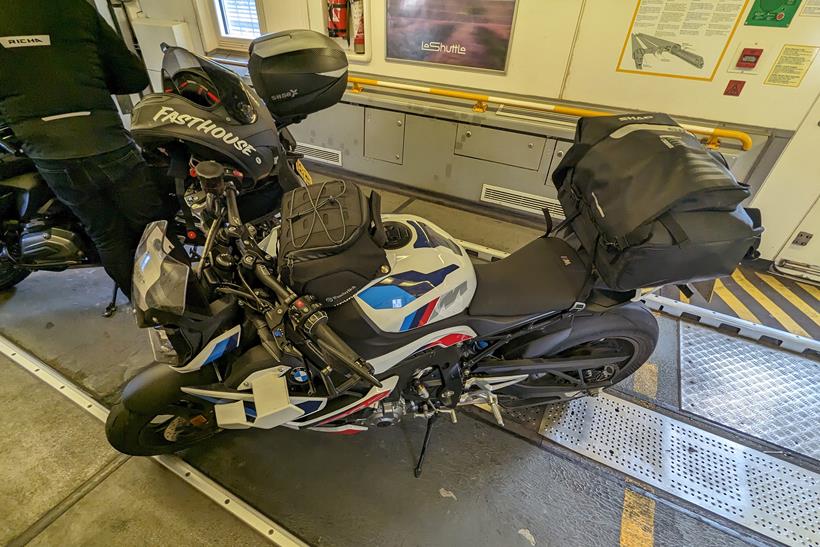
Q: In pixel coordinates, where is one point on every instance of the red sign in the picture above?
(734, 88)
(749, 57)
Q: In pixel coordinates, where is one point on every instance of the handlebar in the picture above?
(308, 316)
(317, 328)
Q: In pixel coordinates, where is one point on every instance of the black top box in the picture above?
(297, 72)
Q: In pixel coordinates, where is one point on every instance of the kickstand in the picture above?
(430, 421)
(111, 308)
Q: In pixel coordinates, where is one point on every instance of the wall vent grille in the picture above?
(317, 153)
(521, 201)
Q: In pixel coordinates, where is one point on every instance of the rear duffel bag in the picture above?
(331, 242)
(650, 204)
(681, 248)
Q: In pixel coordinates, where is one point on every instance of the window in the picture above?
(238, 18)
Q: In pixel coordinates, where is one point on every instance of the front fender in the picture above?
(153, 389)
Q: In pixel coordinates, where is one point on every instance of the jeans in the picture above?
(113, 197)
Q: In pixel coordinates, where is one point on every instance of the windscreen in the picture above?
(207, 83)
(160, 280)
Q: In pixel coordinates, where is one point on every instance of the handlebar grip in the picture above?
(331, 342)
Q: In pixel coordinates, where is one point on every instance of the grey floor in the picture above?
(481, 485)
(61, 484)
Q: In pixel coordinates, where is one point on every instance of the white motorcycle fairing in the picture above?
(431, 278)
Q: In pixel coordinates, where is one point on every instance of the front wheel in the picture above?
(178, 426)
(10, 275)
(625, 337)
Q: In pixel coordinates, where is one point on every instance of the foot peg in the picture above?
(496, 409)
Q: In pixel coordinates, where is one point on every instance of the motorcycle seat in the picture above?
(545, 275)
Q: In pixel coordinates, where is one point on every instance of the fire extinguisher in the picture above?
(337, 15)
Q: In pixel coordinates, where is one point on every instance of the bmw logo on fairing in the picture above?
(299, 375)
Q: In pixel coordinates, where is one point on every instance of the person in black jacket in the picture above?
(60, 62)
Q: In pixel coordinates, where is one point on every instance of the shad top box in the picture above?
(297, 72)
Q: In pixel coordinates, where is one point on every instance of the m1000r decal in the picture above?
(167, 114)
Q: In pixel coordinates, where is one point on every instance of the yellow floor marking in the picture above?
(782, 317)
(786, 293)
(734, 303)
(682, 297)
(637, 520)
(811, 289)
(646, 380)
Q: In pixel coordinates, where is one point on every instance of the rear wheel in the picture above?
(10, 275)
(178, 426)
(624, 337)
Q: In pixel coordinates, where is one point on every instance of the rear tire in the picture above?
(10, 275)
(631, 327)
(147, 435)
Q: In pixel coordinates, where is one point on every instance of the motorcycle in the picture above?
(247, 351)
(238, 348)
(206, 112)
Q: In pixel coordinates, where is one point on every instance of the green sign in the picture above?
(772, 13)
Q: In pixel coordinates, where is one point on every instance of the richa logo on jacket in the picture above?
(25, 41)
(167, 114)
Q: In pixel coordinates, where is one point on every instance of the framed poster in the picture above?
(679, 38)
(463, 33)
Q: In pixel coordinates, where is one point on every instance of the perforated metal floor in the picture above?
(767, 393)
(775, 498)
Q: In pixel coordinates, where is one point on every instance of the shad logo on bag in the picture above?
(25, 41)
(635, 118)
(167, 114)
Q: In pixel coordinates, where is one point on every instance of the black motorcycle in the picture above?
(206, 112)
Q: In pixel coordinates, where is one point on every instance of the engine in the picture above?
(47, 244)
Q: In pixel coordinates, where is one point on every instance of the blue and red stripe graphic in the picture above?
(420, 317)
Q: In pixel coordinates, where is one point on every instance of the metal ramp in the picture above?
(766, 393)
(758, 491)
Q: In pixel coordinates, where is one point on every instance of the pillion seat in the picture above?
(544, 275)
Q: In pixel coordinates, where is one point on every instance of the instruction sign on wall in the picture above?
(680, 38)
(791, 65)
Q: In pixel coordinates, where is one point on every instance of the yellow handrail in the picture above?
(481, 102)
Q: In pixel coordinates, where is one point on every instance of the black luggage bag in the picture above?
(331, 242)
(650, 205)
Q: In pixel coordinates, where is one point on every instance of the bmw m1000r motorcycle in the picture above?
(205, 113)
(407, 324)
(433, 334)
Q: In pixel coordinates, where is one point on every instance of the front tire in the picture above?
(10, 275)
(177, 427)
(631, 330)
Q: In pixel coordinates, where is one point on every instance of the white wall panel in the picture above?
(592, 77)
(542, 39)
(793, 185)
(177, 10)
